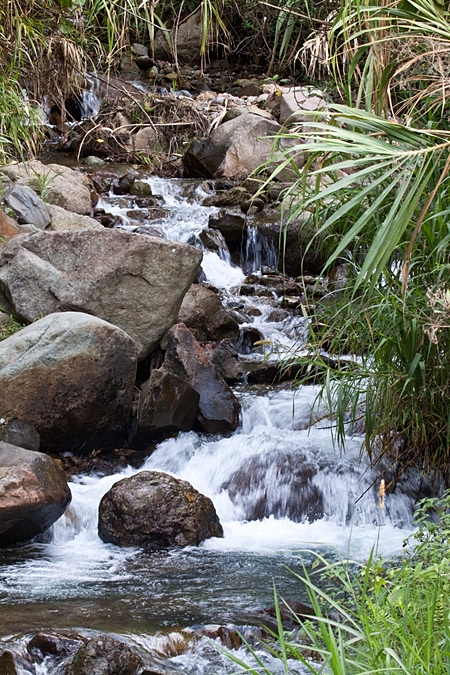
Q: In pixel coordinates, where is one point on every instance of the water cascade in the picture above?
(279, 486)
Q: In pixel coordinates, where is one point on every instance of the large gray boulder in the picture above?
(72, 377)
(202, 312)
(233, 150)
(63, 186)
(33, 494)
(167, 404)
(155, 510)
(218, 408)
(130, 280)
(27, 206)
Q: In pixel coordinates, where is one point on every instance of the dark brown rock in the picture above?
(33, 494)
(202, 312)
(102, 179)
(167, 404)
(257, 203)
(224, 358)
(213, 240)
(230, 225)
(219, 409)
(154, 510)
(104, 655)
(227, 635)
(233, 197)
(7, 665)
(123, 185)
(44, 644)
(277, 315)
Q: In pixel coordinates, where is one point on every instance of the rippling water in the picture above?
(282, 490)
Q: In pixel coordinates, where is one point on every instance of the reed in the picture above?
(382, 616)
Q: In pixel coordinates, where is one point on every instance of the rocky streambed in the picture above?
(156, 313)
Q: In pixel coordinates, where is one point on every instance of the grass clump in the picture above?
(382, 616)
(10, 327)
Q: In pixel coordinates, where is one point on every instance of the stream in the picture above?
(282, 489)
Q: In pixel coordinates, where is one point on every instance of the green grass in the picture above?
(380, 617)
(10, 328)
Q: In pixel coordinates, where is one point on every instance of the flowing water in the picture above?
(282, 490)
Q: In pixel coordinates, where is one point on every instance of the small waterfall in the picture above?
(257, 250)
(89, 103)
(279, 485)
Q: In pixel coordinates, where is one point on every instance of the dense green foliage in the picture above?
(381, 616)
(379, 200)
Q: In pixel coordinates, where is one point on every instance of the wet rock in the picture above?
(67, 220)
(219, 409)
(129, 68)
(104, 655)
(149, 232)
(239, 316)
(246, 289)
(224, 358)
(22, 434)
(33, 494)
(140, 188)
(227, 635)
(233, 150)
(249, 336)
(292, 302)
(45, 644)
(103, 179)
(213, 240)
(230, 225)
(299, 499)
(256, 204)
(7, 665)
(167, 404)
(289, 610)
(71, 376)
(277, 315)
(134, 282)
(233, 197)
(296, 255)
(154, 510)
(202, 312)
(156, 214)
(65, 187)
(28, 207)
(124, 184)
(253, 311)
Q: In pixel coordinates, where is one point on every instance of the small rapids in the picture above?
(282, 489)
